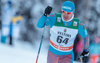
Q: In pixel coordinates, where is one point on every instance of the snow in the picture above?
(23, 52)
(12, 55)
(20, 53)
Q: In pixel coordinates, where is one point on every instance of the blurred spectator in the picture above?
(7, 14)
(95, 50)
(14, 27)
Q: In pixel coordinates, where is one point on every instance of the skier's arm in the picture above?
(51, 20)
(44, 18)
(84, 34)
(42, 21)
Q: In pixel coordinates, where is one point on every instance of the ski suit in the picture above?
(62, 36)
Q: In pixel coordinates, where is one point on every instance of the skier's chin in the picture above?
(65, 18)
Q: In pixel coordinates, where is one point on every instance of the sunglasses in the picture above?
(67, 12)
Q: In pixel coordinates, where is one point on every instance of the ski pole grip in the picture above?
(47, 11)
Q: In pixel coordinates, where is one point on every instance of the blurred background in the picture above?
(20, 37)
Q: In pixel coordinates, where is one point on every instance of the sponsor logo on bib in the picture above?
(59, 19)
(75, 24)
(65, 30)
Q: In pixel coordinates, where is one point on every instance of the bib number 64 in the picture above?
(60, 40)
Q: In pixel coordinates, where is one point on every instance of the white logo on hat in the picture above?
(67, 8)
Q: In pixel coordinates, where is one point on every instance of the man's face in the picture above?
(67, 15)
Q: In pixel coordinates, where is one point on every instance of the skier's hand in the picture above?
(47, 11)
(85, 53)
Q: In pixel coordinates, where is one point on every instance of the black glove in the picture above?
(85, 53)
(47, 11)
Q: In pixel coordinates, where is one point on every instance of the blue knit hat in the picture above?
(68, 6)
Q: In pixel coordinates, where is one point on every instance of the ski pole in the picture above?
(80, 59)
(40, 44)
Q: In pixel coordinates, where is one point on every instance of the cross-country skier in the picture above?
(63, 30)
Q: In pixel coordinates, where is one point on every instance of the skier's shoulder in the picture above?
(81, 24)
(52, 15)
(55, 15)
(79, 21)
(76, 21)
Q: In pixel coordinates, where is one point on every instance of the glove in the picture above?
(85, 53)
(47, 11)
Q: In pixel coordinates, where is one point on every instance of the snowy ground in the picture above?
(21, 53)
